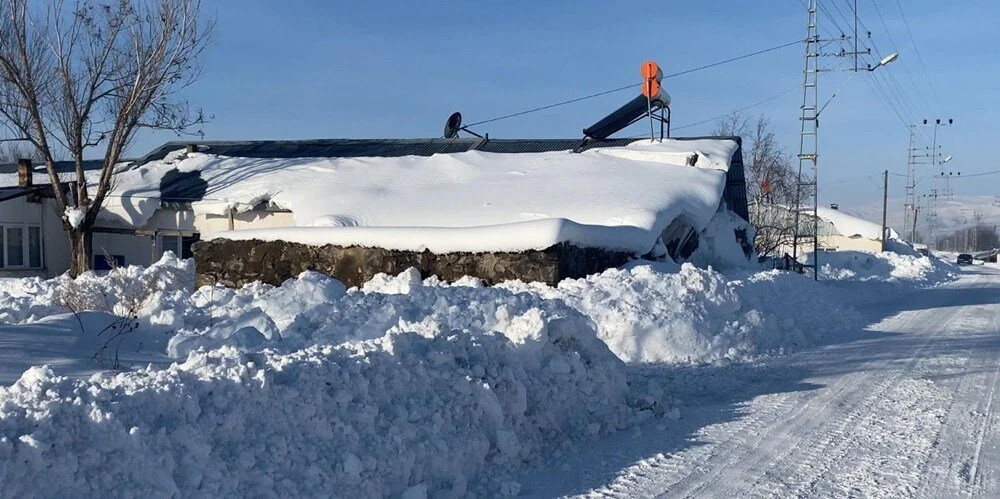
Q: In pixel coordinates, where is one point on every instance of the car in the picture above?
(964, 259)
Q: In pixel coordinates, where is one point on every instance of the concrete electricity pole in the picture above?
(885, 205)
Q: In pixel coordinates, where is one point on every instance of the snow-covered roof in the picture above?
(848, 224)
(609, 197)
(40, 176)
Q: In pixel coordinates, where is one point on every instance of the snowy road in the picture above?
(908, 408)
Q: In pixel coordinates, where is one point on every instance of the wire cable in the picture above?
(920, 59)
(633, 85)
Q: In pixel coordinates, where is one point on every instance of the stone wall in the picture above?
(236, 263)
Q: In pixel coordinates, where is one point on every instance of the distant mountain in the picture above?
(953, 214)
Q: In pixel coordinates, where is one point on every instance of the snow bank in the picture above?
(885, 266)
(422, 408)
(697, 315)
(27, 299)
(160, 288)
(620, 198)
(404, 386)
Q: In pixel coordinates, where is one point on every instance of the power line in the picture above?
(957, 177)
(744, 56)
(895, 48)
(919, 58)
(633, 85)
(887, 98)
(557, 104)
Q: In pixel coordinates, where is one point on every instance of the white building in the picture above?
(838, 230)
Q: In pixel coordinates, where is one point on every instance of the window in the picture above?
(21, 246)
(34, 247)
(15, 246)
(170, 243)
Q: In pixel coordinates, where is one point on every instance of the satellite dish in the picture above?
(453, 125)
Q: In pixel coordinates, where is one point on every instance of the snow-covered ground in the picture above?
(405, 386)
(907, 407)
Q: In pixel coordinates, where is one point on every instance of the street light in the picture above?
(885, 60)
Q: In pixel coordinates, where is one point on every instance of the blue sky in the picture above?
(316, 69)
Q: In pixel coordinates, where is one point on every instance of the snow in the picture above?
(906, 407)
(848, 224)
(68, 343)
(445, 396)
(887, 266)
(618, 198)
(74, 216)
(402, 386)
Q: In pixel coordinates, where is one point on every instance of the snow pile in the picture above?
(27, 299)
(315, 309)
(885, 266)
(718, 246)
(156, 294)
(424, 408)
(697, 315)
(615, 198)
(690, 315)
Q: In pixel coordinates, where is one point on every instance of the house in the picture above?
(838, 230)
(537, 209)
(32, 239)
(183, 192)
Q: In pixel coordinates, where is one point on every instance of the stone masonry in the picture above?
(236, 263)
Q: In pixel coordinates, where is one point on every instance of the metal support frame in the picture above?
(912, 161)
(806, 199)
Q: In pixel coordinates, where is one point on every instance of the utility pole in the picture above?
(930, 203)
(807, 185)
(977, 218)
(912, 160)
(885, 205)
(910, 204)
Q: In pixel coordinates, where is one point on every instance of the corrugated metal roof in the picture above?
(322, 148)
(360, 148)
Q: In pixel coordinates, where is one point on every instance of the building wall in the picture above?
(835, 243)
(55, 241)
(254, 219)
(138, 248)
(135, 249)
(20, 212)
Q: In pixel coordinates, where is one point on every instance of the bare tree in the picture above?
(770, 180)
(13, 151)
(89, 75)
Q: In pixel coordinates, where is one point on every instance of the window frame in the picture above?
(25, 229)
(177, 249)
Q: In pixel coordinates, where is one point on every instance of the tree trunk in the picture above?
(80, 244)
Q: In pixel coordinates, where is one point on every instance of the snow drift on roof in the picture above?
(848, 224)
(616, 198)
